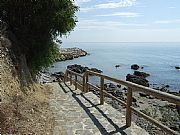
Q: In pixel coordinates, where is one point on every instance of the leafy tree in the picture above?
(36, 24)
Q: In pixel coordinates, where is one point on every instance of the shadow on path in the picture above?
(93, 118)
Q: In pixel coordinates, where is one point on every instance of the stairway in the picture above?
(78, 113)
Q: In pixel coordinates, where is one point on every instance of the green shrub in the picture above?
(36, 24)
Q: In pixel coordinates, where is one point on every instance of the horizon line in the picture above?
(127, 42)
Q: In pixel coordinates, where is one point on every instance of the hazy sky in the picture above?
(127, 21)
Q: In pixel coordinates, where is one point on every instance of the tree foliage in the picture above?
(36, 24)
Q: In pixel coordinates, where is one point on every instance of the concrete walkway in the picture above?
(78, 113)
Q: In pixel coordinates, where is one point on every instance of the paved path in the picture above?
(78, 113)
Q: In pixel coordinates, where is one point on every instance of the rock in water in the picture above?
(135, 66)
(76, 68)
(137, 80)
(81, 69)
(141, 74)
(117, 66)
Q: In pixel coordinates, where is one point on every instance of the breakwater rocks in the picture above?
(70, 53)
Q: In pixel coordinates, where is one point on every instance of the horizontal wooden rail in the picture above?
(77, 85)
(90, 84)
(115, 98)
(110, 95)
(131, 88)
(158, 94)
(74, 73)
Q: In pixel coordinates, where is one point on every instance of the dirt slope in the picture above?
(23, 109)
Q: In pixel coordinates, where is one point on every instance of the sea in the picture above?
(158, 59)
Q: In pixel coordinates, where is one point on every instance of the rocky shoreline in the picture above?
(167, 113)
(70, 53)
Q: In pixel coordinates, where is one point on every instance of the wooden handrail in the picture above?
(131, 88)
(158, 94)
(115, 98)
(70, 71)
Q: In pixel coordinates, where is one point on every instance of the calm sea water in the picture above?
(158, 59)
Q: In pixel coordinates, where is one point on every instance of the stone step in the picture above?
(78, 113)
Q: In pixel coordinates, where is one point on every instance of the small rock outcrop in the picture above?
(117, 66)
(177, 67)
(135, 67)
(137, 80)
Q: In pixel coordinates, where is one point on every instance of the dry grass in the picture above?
(23, 111)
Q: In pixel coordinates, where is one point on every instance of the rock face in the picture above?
(70, 53)
(135, 66)
(137, 80)
(141, 74)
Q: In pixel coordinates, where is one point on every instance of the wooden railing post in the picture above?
(65, 77)
(70, 78)
(101, 91)
(87, 79)
(83, 83)
(75, 82)
(128, 108)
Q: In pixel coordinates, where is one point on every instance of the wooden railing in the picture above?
(85, 84)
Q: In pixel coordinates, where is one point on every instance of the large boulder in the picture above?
(135, 66)
(81, 69)
(76, 68)
(141, 74)
(137, 80)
